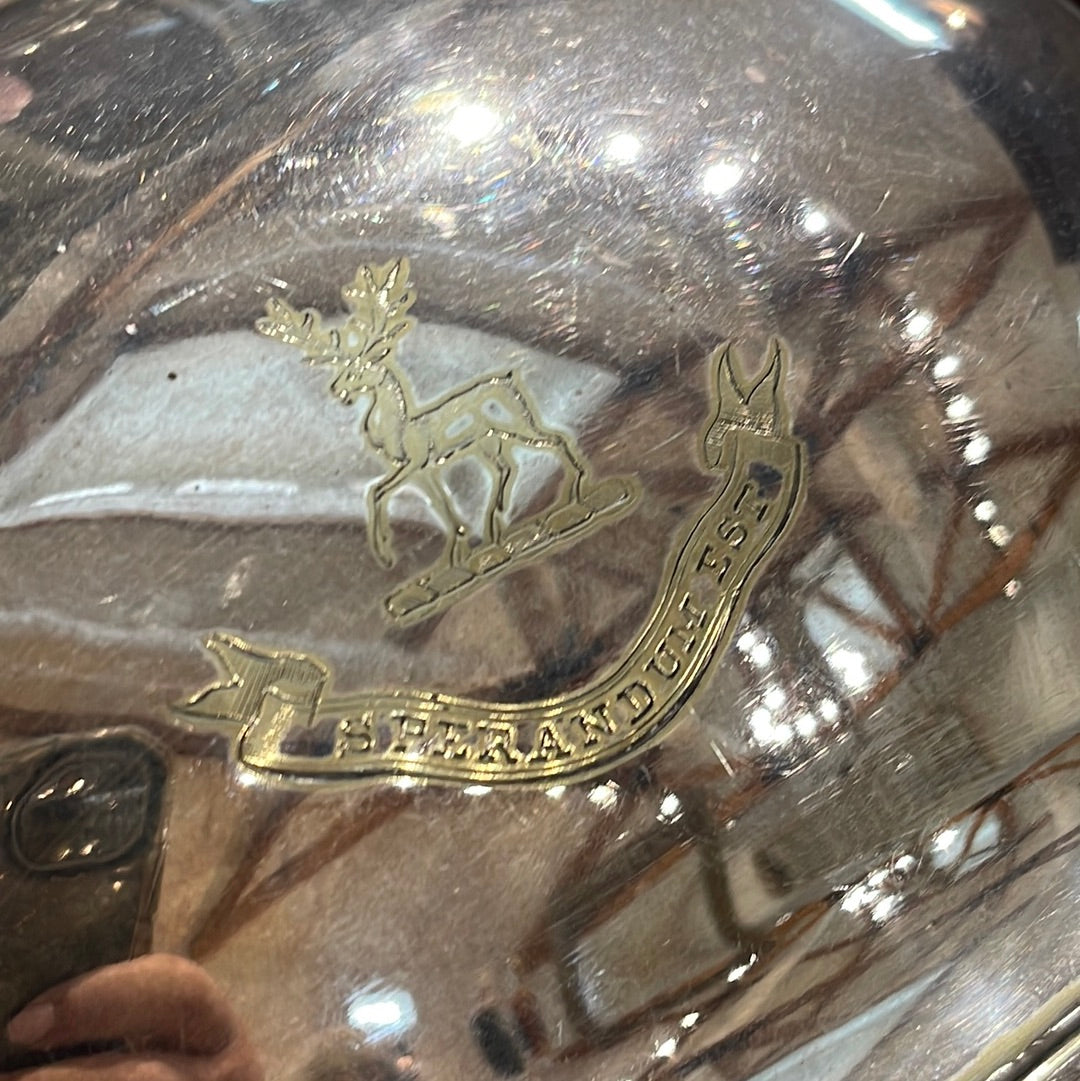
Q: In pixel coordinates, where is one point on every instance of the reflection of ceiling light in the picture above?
(739, 971)
(670, 807)
(815, 222)
(667, 1048)
(380, 1012)
(957, 19)
(959, 407)
(775, 698)
(471, 124)
(900, 20)
(919, 325)
(851, 667)
(721, 177)
(761, 655)
(556, 791)
(476, 790)
(977, 450)
(690, 1020)
(623, 149)
(946, 368)
(604, 796)
(986, 511)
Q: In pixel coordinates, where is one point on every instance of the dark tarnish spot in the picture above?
(767, 478)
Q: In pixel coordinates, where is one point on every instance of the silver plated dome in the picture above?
(542, 538)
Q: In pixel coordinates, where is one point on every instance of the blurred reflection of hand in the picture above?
(174, 1020)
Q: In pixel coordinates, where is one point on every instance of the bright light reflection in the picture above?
(977, 450)
(670, 807)
(765, 729)
(690, 1020)
(556, 791)
(476, 790)
(829, 711)
(605, 796)
(624, 148)
(986, 511)
(667, 1049)
(897, 19)
(959, 407)
(721, 177)
(946, 368)
(761, 655)
(806, 725)
(957, 19)
(884, 908)
(473, 123)
(919, 325)
(815, 222)
(850, 665)
(739, 971)
(380, 1012)
(775, 698)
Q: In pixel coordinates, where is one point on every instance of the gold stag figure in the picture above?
(483, 420)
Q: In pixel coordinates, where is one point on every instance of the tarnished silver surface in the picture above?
(849, 848)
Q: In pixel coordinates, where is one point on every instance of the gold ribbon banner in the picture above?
(277, 706)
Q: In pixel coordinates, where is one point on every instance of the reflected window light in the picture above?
(722, 177)
(946, 368)
(977, 449)
(919, 325)
(955, 845)
(903, 22)
(624, 148)
(473, 123)
(986, 511)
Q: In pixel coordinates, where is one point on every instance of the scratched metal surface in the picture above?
(854, 853)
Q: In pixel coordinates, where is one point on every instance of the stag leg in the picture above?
(573, 466)
(457, 536)
(378, 523)
(498, 506)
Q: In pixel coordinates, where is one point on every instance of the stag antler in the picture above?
(378, 300)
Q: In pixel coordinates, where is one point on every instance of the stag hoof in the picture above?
(381, 547)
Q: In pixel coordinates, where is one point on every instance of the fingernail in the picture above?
(32, 1024)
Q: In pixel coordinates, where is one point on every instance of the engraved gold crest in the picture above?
(280, 705)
